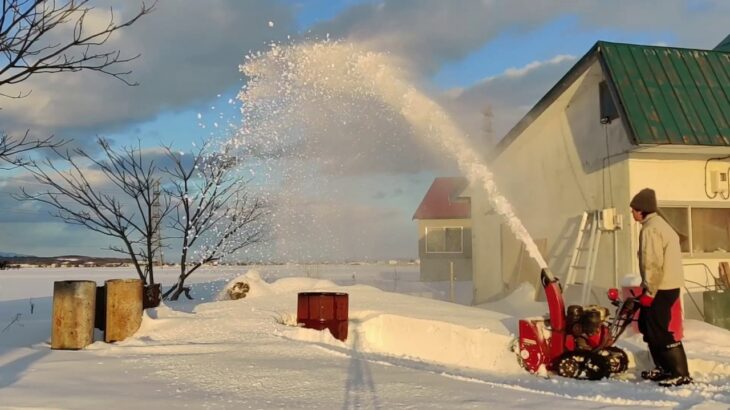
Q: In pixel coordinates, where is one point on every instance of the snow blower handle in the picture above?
(625, 311)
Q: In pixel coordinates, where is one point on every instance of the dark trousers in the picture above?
(654, 321)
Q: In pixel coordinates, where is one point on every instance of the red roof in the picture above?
(442, 200)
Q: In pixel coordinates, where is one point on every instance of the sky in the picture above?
(468, 55)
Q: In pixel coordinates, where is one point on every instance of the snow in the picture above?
(402, 351)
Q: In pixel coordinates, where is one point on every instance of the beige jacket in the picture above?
(660, 258)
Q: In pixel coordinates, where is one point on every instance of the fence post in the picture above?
(395, 279)
(451, 281)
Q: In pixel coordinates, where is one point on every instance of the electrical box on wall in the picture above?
(610, 220)
(718, 182)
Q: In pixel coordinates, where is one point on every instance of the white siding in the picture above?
(551, 173)
(680, 180)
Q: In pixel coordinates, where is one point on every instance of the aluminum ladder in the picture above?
(585, 252)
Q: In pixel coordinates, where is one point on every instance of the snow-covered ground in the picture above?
(402, 351)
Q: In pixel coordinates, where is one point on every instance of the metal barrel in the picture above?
(74, 304)
(123, 308)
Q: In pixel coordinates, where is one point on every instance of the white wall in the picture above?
(680, 180)
(552, 173)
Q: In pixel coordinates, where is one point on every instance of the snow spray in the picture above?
(285, 81)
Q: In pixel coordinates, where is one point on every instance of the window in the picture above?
(701, 230)
(444, 240)
(710, 230)
(678, 218)
(608, 108)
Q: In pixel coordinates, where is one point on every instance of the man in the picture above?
(660, 264)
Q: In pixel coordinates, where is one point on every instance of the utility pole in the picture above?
(156, 216)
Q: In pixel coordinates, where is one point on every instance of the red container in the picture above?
(324, 310)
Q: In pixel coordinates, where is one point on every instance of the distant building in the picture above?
(444, 231)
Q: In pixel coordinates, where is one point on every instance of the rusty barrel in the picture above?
(324, 310)
(123, 308)
(73, 314)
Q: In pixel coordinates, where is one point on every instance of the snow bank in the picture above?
(435, 342)
(402, 351)
(258, 287)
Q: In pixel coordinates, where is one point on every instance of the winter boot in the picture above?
(658, 372)
(676, 360)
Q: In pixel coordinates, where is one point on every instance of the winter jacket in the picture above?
(660, 258)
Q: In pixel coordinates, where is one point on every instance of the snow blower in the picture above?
(578, 342)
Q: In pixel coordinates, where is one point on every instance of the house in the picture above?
(623, 118)
(444, 231)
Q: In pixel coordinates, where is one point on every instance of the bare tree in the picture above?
(215, 214)
(11, 148)
(78, 200)
(33, 40)
(52, 36)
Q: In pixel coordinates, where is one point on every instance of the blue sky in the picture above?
(189, 69)
(513, 47)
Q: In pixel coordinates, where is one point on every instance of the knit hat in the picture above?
(645, 201)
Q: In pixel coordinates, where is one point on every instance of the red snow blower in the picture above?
(577, 342)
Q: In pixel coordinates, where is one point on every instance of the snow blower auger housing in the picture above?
(577, 342)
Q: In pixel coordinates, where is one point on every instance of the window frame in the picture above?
(688, 206)
(444, 228)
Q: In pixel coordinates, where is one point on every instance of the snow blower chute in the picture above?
(577, 342)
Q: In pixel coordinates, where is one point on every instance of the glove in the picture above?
(646, 300)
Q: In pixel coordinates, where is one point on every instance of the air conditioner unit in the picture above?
(719, 182)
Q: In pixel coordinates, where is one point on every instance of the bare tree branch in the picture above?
(77, 201)
(11, 149)
(204, 200)
(32, 40)
(51, 36)
(214, 214)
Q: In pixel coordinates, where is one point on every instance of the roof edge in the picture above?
(712, 50)
(552, 94)
(580, 66)
(724, 45)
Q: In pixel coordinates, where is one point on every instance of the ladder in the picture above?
(585, 252)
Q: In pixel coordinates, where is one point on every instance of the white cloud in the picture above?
(515, 72)
(429, 33)
(190, 51)
(508, 96)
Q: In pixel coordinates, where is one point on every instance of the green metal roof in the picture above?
(671, 95)
(724, 45)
